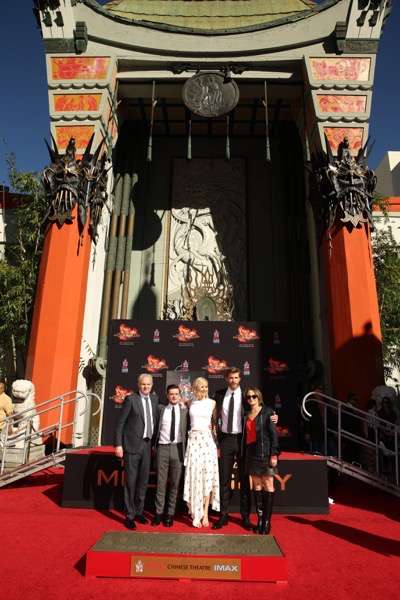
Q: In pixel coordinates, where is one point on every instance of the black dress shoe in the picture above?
(222, 521)
(168, 521)
(141, 519)
(246, 522)
(130, 524)
(156, 520)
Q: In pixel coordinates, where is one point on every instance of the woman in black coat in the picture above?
(260, 445)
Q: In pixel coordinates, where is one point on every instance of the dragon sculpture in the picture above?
(69, 181)
(344, 188)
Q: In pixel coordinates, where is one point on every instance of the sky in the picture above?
(24, 120)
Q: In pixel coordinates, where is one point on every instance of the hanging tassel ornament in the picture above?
(153, 109)
(228, 141)
(189, 141)
(306, 140)
(267, 142)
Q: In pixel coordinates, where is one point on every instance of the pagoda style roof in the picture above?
(212, 15)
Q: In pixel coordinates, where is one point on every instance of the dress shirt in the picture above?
(144, 402)
(165, 427)
(237, 411)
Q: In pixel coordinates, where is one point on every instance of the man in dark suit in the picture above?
(230, 414)
(171, 445)
(135, 430)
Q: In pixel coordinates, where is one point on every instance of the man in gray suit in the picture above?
(136, 427)
(171, 445)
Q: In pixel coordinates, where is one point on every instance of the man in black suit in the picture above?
(136, 427)
(171, 445)
(230, 414)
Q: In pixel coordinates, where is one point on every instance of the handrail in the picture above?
(335, 435)
(27, 433)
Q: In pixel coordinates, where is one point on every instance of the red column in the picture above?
(55, 342)
(354, 323)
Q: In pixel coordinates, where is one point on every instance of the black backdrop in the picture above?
(262, 351)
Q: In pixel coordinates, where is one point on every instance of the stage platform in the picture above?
(181, 556)
(94, 479)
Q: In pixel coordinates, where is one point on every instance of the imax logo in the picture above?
(226, 568)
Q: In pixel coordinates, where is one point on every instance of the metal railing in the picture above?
(356, 442)
(22, 431)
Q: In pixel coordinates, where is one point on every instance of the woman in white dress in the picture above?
(201, 486)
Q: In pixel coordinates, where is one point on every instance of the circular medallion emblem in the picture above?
(210, 95)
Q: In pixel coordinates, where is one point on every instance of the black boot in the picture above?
(267, 503)
(259, 510)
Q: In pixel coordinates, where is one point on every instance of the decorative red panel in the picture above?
(76, 102)
(81, 133)
(340, 69)
(75, 67)
(335, 135)
(335, 103)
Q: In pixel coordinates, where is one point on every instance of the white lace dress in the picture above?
(201, 461)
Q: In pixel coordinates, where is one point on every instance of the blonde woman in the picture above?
(262, 451)
(201, 486)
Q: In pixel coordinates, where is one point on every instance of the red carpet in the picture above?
(352, 553)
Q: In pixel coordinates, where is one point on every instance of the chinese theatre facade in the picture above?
(209, 163)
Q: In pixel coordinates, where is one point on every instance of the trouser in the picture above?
(169, 463)
(230, 446)
(137, 471)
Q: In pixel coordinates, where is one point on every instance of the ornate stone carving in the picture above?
(210, 94)
(344, 188)
(80, 37)
(207, 241)
(361, 46)
(69, 182)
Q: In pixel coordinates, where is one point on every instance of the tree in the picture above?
(387, 269)
(19, 270)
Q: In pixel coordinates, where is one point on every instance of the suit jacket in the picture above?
(183, 423)
(130, 426)
(219, 399)
(267, 442)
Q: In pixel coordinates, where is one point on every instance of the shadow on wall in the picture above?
(148, 228)
(145, 305)
(358, 366)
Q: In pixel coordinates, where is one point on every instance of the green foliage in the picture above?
(19, 270)
(387, 270)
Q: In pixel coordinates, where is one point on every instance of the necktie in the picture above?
(172, 432)
(230, 413)
(149, 428)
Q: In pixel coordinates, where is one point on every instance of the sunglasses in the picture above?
(253, 396)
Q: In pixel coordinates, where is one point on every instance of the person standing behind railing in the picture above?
(351, 424)
(6, 406)
(386, 436)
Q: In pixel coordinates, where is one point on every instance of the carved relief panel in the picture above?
(207, 250)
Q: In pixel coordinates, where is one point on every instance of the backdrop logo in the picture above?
(126, 333)
(156, 336)
(216, 337)
(125, 366)
(120, 393)
(246, 368)
(215, 365)
(154, 364)
(186, 334)
(276, 367)
(185, 366)
(245, 335)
